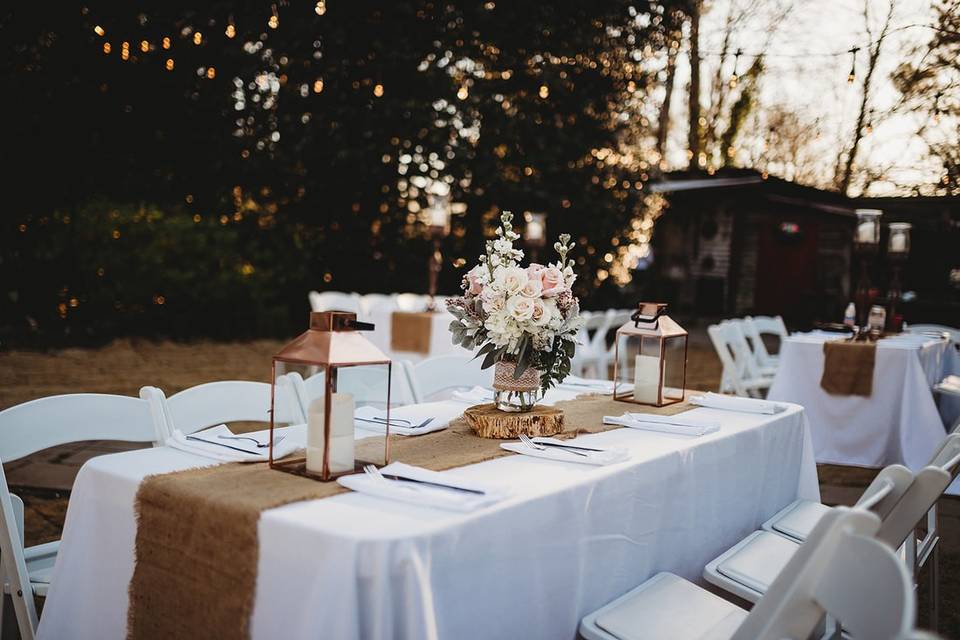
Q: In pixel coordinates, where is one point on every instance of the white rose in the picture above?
(520, 308)
(541, 313)
(492, 299)
(512, 280)
(532, 289)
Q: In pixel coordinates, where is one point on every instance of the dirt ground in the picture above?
(44, 479)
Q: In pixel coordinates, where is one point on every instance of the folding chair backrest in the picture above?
(443, 373)
(886, 490)
(32, 426)
(840, 570)
(46, 422)
(411, 302)
(734, 353)
(213, 403)
(373, 302)
(367, 386)
(334, 301)
(760, 353)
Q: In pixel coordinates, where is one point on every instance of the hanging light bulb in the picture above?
(321, 7)
(736, 66)
(853, 65)
(231, 31)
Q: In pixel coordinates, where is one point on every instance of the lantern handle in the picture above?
(357, 325)
(639, 315)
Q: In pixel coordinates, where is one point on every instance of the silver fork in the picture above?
(407, 482)
(276, 440)
(525, 439)
(397, 421)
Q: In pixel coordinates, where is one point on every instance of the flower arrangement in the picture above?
(528, 317)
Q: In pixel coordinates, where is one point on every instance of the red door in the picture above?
(786, 267)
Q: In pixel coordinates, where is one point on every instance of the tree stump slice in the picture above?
(489, 422)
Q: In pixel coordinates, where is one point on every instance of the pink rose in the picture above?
(473, 281)
(553, 282)
(533, 271)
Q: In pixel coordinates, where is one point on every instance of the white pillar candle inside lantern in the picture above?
(899, 238)
(341, 434)
(646, 379)
(868, 226)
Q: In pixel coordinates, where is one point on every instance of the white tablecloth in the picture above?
(440, 342)
(572, 538)
(898, 423)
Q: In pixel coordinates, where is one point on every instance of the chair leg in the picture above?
(935, 589)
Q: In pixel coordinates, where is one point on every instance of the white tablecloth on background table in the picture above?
(570, 539)
(440, 338)
(898, 423)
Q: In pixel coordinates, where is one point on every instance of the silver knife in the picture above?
(221, 444)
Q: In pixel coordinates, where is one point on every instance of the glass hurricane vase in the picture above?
(515, 394)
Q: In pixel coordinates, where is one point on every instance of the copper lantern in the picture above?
(650, 358)
(324, 374)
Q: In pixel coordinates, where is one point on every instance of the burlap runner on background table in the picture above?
(411, 331)
(196, 546)
(848, 367)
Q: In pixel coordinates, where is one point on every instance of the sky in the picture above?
(807, 68)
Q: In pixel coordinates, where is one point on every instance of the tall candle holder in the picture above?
(898, 250)
(438, 226)
(534, 233)
(866, 240)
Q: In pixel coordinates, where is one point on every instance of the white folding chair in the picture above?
(749, 567)
(209, 404)
(433, 376)
(591, 345)
(840, 571)
(334, 301)
(30, 427)
(373, 302)
(366, 384)
(616, 318)
(740, 373)
(411, 302)
(755, 328)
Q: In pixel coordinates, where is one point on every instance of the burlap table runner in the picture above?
(411, 331)
(848, 367)
(196, 545)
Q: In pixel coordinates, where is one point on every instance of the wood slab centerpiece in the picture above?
(523, 321)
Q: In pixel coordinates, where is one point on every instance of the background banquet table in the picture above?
(569, 539)
(898, 423)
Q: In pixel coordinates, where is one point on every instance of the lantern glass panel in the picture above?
(650, 362)
(321, 398)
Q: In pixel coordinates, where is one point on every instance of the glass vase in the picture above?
(515, 394)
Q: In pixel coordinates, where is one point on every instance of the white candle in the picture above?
(341, 434)
(534, 230)
(866, 232)
(898, 242)
(646, 379)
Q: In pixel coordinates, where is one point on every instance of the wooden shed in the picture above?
(738, 242)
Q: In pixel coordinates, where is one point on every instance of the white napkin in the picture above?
(734, 403)
(423, 494)
(404, 420)
(586, 385)
(950, 383)
(474, 395)
(664, 424)
(212, 446)
(599, 458)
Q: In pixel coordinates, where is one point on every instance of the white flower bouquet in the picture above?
(526, 317)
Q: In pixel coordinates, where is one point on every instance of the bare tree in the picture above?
(693, 137)
(847, 157)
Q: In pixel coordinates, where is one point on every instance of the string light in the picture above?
(99, 31)
(211, 73)
(231, 31)
(166, 43)
(144, 46)
(318, 85)
(853, 64)
(273, 22)
(544, 91)
(462, 92)
(378, 90)
(197, 38)
(125, 50)
(736, 66)
(106, 48)
(321, 8)
(169, 64)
